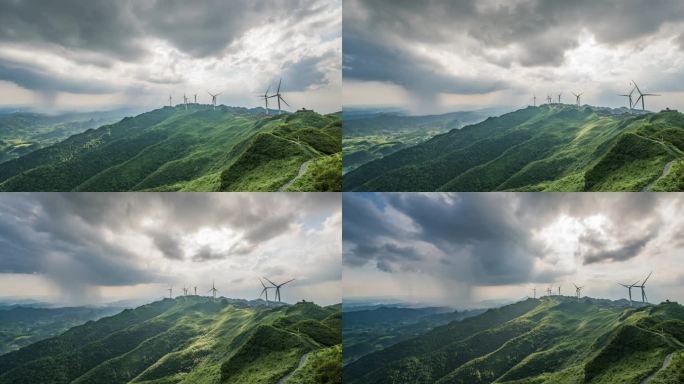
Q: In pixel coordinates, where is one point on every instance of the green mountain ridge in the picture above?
(550, 340)
(193, 149)
(189, 340)
(546, 148)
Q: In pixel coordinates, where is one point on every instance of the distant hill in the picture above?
(193, 149)
(369, 330)
(189, 340)
(373, 135)
(24, 132)
(546, 148)
(549, 340)
(22, 325)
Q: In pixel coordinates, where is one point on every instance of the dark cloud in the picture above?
(302, 74)
(73, 238)
(102, 33)
(380, 36)
(490, 238)
(366, 60)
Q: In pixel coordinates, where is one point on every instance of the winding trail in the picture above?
(666, 363)
(302, 169)
(302, 360)
(666, 169)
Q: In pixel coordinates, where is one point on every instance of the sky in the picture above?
(462, 249)
(93, 248)
(101, 54)
(437, 56)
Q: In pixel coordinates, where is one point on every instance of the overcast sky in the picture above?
(99, 54)
(436, 56)
(459, 249)
(84, 248)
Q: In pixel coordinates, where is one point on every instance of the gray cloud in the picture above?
(107, 35)
(73, 238)
(381, 36)
(489, 239)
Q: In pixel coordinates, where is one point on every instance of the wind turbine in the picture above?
(641, 96)
(549, 100)
(548, 291)
(170, 289)
(535, 292)
(629, 290)
(644, 299)
(264, 291)
(577, 96)
(213, 289)
(195, 290)
(629, 96)
(185, 291)
(559, 97)
(265, 96)
(534, 98)
(578, 291)
(170, 101)
(277, 287)
(213, 98)
(195, 98)
(559, 290)
(279, 96)
(185, 101)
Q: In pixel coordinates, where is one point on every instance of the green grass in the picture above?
(559, 340)
(547, 148)
(321, 367)
(174, 149)
(183, 340)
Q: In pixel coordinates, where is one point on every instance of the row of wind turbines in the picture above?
(265, 97)
(214, 290)
(578, 290)
(632, 103)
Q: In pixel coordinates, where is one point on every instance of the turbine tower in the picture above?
(535, 292)
(264, 291)
(170, 289)
(578, 291)
(559, 290)
(559, 97)
(534, 100)
(265, 96)
(548, 99)
(213, 98)
(213, 289)
(629, 290)
(185, 101)
(629, 96)
(641, 96)
(279, 96)
(170, 101)
(577, 96)
(185, 291)
(195, 290)
(195, 98)
(644, 299)
(277, 287)
(548, 291)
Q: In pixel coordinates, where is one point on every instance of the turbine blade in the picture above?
(647, 277)
(284, 101)
(274, 284)
(279, 82)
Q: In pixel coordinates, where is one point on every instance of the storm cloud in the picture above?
(503, 239)
(79, 240)
(470, 46)
(153, 46)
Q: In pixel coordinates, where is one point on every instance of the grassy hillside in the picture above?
(21, 326)
(24, 132)
(549, 340)
(178, 149)
(184, 340)
(377, 135)
(547, 148)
